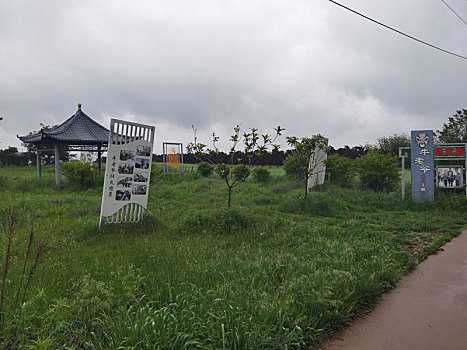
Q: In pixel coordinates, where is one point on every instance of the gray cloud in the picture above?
(310, 67)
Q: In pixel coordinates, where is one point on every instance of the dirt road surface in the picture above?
(426, 311)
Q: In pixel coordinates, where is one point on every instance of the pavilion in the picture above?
(77, 133)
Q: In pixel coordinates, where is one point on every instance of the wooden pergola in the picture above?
(77, 133)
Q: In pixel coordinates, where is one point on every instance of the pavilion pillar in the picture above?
(57, 165)
(99, 158)
(39, 165)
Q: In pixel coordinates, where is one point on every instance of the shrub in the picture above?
(378, 172)
(204, 169)
(241, 172)
(293, 166)
(81, 175)
(340, 170)
(262, 175)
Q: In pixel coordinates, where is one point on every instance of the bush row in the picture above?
(373, 171)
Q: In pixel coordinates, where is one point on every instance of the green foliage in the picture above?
(390, 144)
(262, 175)
(340, 170)
(10, 156)
(294, 164)
(81, 175)
(204, 169)
(455, 130)
(241, 172)
(222, 170)
(378, 172)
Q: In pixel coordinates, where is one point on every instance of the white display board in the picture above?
(127, 172)
(318, 164)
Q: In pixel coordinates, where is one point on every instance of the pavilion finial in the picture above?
(79, 106)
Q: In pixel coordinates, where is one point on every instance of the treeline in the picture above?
(275, 157)
(11, 156)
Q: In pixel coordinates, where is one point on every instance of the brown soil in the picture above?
(427, 310)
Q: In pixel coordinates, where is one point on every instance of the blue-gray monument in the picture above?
(423, 187)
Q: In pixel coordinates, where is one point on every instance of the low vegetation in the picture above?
(276, 271)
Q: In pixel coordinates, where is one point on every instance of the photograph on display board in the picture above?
(126, 155)
(144, 151)
(123, 195)
(124, 181)
(449, 177)
(142, 163)
(140, 189)
(140, 176)
(173, 158)
(124, 168)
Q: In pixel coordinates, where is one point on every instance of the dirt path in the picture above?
(427, 310)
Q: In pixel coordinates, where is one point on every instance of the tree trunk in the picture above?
(230, 191)
(306, 184)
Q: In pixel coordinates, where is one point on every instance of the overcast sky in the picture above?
(308, 66)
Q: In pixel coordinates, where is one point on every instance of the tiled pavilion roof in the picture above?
(79, 129)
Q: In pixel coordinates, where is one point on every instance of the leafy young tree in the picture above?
(254, 146)
(303, 150)
(455, 130)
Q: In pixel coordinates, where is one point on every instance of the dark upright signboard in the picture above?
(422, 165)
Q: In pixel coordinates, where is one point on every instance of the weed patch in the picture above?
(316, 204)
(223, 221)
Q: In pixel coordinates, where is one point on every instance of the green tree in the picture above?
(303, 150)
(254, 146)
(455, 130)
(10, 156)
(390, 144)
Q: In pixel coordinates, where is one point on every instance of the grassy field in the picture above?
(274, 272)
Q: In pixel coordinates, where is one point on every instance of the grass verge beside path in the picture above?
(274, 272)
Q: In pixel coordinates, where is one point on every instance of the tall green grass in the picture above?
(275, 272)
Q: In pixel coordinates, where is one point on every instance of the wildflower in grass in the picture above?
(288, 336)
(346, 208)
